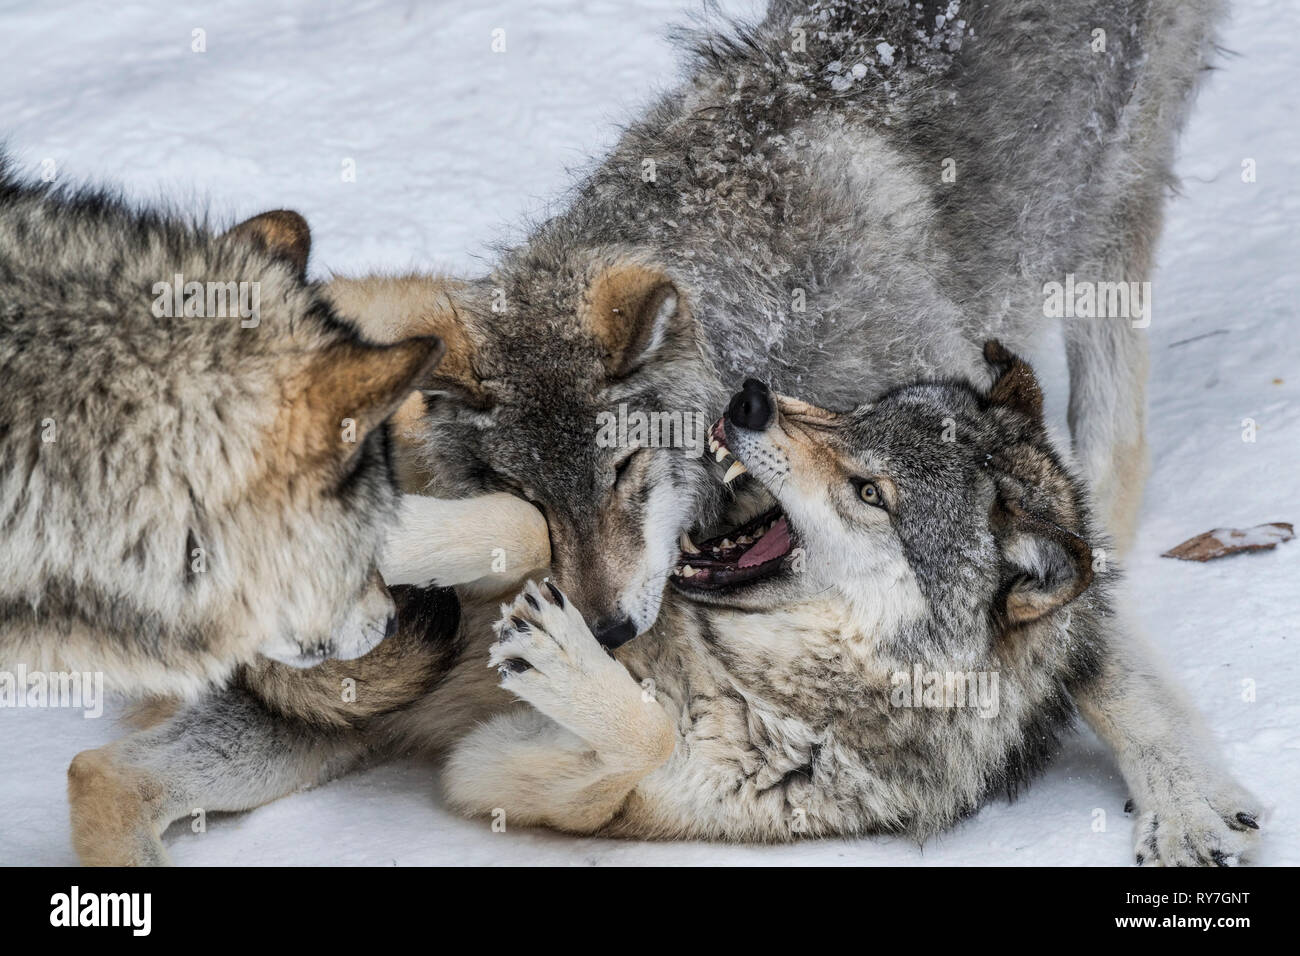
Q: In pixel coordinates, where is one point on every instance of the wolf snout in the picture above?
(371, 620)
(614, 632)
(751, 407)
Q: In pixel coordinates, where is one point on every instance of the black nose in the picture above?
(615, 632)
(751, 407)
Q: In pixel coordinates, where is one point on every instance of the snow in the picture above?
(454, 146)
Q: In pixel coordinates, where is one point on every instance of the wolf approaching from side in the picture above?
(842, 198)
(182, 491)
(937, 532)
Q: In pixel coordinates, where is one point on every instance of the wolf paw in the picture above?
(1199, 829)
(546, 654)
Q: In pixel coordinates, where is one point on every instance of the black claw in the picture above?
(1247, 820)
(555, 593)
(1128, 805)
(1219, 859)
(532, 602)
(519, 623)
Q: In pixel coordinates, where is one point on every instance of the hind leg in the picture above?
(224, 753)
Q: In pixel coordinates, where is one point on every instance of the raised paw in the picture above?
(546, 654)
(1198, 829)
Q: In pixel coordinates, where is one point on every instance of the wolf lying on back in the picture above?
(839, 200)
(765, 704)
(181, 492)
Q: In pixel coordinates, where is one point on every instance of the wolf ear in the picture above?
(1016, 387)
(1046, 566)
(455, 376)
(282, 233)
(631, 309)
(389, 308)
(366, 383)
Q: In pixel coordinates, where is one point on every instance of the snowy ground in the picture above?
(454, 145)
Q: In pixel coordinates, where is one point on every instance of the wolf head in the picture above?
(318, 499)
(937, 505)
(183, 489)
(544, 358)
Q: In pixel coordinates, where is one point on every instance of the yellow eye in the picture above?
(869, 493)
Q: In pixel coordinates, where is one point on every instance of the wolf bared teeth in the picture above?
(721, 453)
(688, 571)
(687, 544)
(713, 445)
(727, 544)
(734, 472)
(744, 539)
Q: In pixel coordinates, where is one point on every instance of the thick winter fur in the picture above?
(785, 213)
(774, 217)
(765, 715)
(180, 494)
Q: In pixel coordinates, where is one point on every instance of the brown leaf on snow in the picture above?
(1222, 542)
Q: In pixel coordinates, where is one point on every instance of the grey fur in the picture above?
(174, 495)
(770, 179)
(766, 718)
(773, 180)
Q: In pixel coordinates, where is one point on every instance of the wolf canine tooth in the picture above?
(687, 544)
(734, 472)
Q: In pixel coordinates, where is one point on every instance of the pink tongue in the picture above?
(772, 545)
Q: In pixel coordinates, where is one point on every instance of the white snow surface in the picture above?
(456, 146)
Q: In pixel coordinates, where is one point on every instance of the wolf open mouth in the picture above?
(751, 552)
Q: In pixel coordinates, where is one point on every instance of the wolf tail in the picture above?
(1108, 359)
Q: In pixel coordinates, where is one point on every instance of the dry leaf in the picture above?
(1222, 542)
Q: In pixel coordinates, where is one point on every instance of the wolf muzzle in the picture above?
(751, 407)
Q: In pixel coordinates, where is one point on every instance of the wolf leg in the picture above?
(226, 752)
(1189, 810)
(528, 770)
(572, 762)
(495, 540)
(1107, 415)
(1108, 356)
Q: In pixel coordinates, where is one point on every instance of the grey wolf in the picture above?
(765, 704)
(181, 493)
(837, 200)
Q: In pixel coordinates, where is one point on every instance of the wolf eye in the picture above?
(869, 492)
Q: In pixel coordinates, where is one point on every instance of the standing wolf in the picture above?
(193, 450)
(841, 198)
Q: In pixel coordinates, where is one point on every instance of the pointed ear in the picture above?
(388, 308)
(632, 310)
(282, 233)
(367, 383)
(1016, 387)
(1046, 566)
(456, 377)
